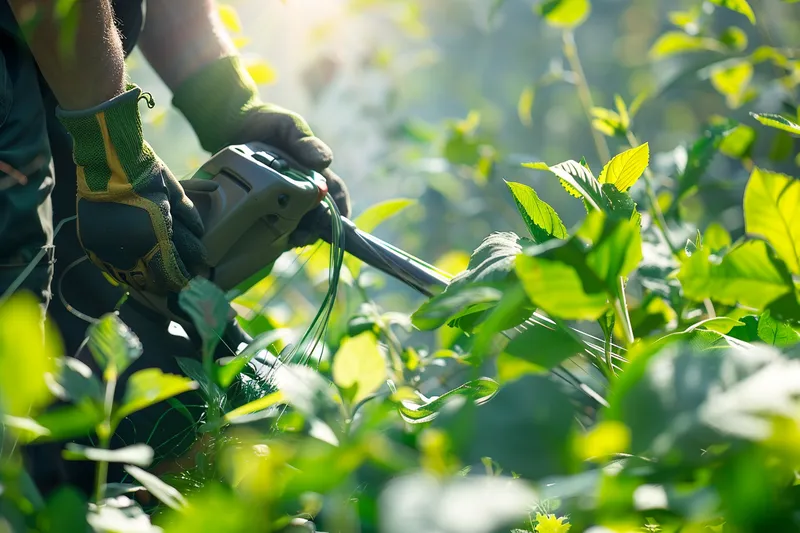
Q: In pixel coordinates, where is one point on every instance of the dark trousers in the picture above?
(37, 192)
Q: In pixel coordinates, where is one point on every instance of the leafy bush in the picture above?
(635, 371)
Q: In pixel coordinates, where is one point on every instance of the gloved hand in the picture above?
(222, 104)
(134, 219)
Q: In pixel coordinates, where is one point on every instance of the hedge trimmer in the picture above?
(252, 197)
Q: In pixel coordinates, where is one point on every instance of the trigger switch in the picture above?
(264, 158)
(279, 164)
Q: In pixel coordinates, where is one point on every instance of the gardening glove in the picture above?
(134, 220)
(222, 104)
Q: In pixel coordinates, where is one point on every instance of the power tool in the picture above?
(252, 197)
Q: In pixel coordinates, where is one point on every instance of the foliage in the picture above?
(622, 357)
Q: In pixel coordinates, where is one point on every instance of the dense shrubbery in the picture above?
(635, 371)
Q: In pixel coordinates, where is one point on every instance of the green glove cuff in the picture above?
(215, 101)
(108, 141)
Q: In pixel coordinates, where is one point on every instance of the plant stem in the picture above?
(609, 333)
(655, 209)
(585, 95)
(621, 306)
(104, 432)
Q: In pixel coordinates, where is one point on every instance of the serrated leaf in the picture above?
(775, 332)
(166, 494)
(747, 275)
(479, 391)
(206, 305)
(740, 6)
(565, 13)
(777, 122)
(525, 105)
(136, 454)
(772, 211)
(454, 303)
(545, 346)
(624, 169)
(358, 364)
(621, 203)
(113, 345)
(150, 386)
(676, 42)
(581, 180)
(371, 218)
(542, 220)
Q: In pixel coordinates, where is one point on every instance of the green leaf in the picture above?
(542, 220)
(136, 454)
(558, 289)
(739, 142)
(747, 275)
(699, 157)
(359, 364)
(64, 512)
(478, 391)
(75, 381)
(676, 42)
(454, 303)
(740, 6)
(525, 105)
(577, 177)
(545, 346)
(565, 13)
(209, 310)
(23, 428)
(492, 261)
(113, 345)
(620, 203)
(166, 494)
(734, 38)
(732, 81)
(776, 333)
(615, 247)
(373, 217)
(777, 121)
(624, 169)
(772, 211)
(150, 386)
(70, 421)
(716, 237)
(26, 362)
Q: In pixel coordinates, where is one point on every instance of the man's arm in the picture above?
(183, 36)
(83, 71)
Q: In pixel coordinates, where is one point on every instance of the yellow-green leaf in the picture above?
(740, 6)
(777, 122)
(772, 211)
(565, 13)
(732, 81)
(525, 105)
(229, 18)
(358, 363)
(25, 359)
(624, 169)
(262, 72)
(676, 42)
(538, 165)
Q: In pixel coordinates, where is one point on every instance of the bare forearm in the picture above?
(83, 64)
(181, 37)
